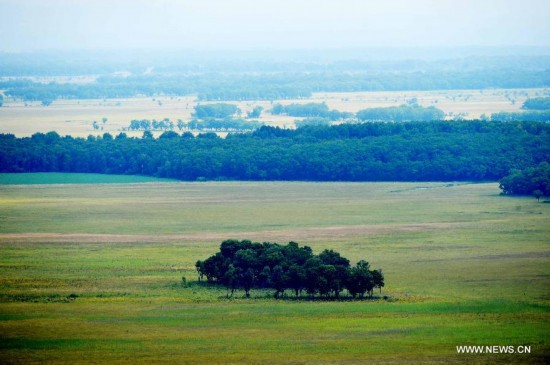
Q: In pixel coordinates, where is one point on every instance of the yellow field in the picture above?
(75, 117)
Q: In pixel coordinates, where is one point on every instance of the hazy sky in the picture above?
(246, 24)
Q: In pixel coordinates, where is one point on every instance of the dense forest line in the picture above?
(413, 151)
(261, 75)
(246, 265)
(270, 86)
(380, 59)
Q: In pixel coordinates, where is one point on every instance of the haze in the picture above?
(250, 24)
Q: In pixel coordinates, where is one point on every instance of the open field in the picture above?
(73, 178)
(463, 266)
(75, 117)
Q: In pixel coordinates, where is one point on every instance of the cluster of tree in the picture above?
(402, 113)
(96, 125)
(315, 110)
(532, 115)
(219, 110)
(156, 125)
(533, 180)
(208, 124)
(255, 112)
(415, 151)
(246, 265)
(536, 104)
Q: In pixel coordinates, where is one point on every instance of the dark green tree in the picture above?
(199, 266)
(255, 113)
(279, 280)
(231, 280)
(378, 279)
(360, 279)
(296, 278)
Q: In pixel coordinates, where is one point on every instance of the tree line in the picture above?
(215, 86)
(218, 110)
(531, 115)
(207, 124)
(414, 151)
(534, 180)
(309, 110)
(247, 265)
(534, 109)
(536, 104)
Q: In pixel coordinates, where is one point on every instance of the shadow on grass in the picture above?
(266, 293)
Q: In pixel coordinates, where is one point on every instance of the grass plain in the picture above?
(75, 117)
(463, 266)
(72, 178)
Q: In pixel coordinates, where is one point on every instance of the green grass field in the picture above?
(463, 266)
(72, 178)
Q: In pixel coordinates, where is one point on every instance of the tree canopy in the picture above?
(533, 180)
(247, 265)
(536, 104)
(415, 151)
(309, 110)
(219, 110)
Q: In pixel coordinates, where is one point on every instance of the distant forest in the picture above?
(258, 76)
(413, 151)
(283, 85)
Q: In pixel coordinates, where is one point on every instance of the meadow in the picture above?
(93, 273)
(39, 178)
(75, 117)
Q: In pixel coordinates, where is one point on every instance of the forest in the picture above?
(382, 151)
(309, 110)
(284, 85)
(257, 76)
(246, 265)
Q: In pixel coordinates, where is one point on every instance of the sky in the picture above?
(27, 25)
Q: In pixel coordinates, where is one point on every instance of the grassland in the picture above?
(75, 117)
(463, 266)
(73, 178)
